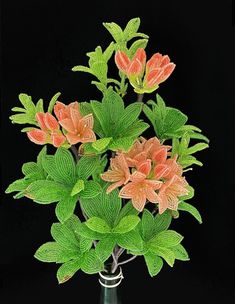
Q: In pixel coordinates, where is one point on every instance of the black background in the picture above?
(41, 42)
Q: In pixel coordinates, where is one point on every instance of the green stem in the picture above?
(114, 81)
(122, 84)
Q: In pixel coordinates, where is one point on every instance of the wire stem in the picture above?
(140, 97)
(75, 152)
(114, 264)
(128, 260)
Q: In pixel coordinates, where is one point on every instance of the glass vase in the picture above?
(110, 289)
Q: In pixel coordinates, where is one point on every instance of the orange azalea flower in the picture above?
(122, 61)
(49, 131)
(154, 177)
(174, 167)
(144, 167)
(146, 149)
(157, 69)
(119, 173)
(62, 111)
(136, 154)
(79, 128)
(168, 169)
(140, 189)
(134, 67)
(155, 150)
(169, 193)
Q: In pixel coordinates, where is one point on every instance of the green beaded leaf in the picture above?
(68, 269)
(46, 191)
(168, 238)
(127, 224)
(65, 165)
(54, 252)
(166, 253)
(183, 206)
(154, 263)
(91, 263)
(97, 224)
(104, 248)
(180, 253)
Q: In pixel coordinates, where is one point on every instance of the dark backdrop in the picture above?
(41, 41)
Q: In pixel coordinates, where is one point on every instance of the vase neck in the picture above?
(111, 280)
(110, 287)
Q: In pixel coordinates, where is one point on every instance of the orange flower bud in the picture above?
(49, 131)
(37, 136)
(141, 56)
(122, 61)
(135, 68)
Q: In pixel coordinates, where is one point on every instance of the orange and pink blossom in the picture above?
(157, 69)
(140, 189)
(143, 149)
(119, 174)
(122, 61)
(49, 131)
(154, 177)
(78, 127)
(169, 193)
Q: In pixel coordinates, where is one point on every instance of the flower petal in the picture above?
(57, 139)
(67, 124)
(74, 105)
(141, 157)
(162, 203)
(50, 122)
(167, 70)
(59, 110)
(145, 167)
(87, 136)
(73, 138)
(38, 136)
(135, 68)
(112, 176)
(173, 203)
(136, 193)
(153, 183)
(154, 62)
(75, 116)
(139, 200)
(88, 121)
(164, 61)
(140, 55)
(160, 155)
(40, 116)
(153, 77)
(151, 145)
(137, 176)
(128, 190)
(160, 171)
(114, 186)
(122, 61)
(120, 163)
(151, 195)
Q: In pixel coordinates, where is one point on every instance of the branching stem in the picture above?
(128, 260)
(114, 264)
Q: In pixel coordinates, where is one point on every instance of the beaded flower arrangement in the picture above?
(116, 191)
